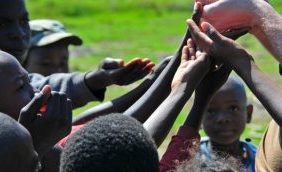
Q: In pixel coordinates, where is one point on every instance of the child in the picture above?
(48, 51)
(79, 87)
(46, 126)
(17, 153)
(269, 154)
(224, 122)
(112, 143)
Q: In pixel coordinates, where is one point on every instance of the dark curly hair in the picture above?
(112, 143)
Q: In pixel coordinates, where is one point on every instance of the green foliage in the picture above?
(130, 28)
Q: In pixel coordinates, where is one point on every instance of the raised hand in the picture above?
(48, 118)
(111, 63)
(232, 14)
(118, 73)
(216, 45)
(194, 63)
(131, 72)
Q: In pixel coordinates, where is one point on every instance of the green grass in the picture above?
(128, 28)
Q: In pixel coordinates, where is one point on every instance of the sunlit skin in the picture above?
(47, 60)
(14, 28)
(226, 116)
(15, 90)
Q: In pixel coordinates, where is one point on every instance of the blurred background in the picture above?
(145, 28)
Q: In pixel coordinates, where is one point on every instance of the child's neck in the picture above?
(234, 149)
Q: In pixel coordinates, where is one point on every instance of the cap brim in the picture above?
(55, 37)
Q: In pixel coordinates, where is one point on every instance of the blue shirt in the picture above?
(248, 148)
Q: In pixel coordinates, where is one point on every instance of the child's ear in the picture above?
(250, 109)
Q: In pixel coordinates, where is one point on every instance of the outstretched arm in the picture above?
(184, 145)
(234, 55)
(193, 67)
(257, 15)
(123, 102)
(146, 105)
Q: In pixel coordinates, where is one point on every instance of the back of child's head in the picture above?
(16, 148)
(217, 164)
(110, 143)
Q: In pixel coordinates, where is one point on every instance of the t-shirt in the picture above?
(269, 153)
(74, 129)
(248, 148)
(183, 146)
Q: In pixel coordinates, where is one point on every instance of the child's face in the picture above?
(15, 90)
(48, 60)
(226, 116)
(14, 27)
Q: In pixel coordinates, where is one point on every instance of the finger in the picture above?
(206, 2)
(133, 62)
(111, 63)
(53, 105)
(149, 67)
(185, 54)
(197, 13)
(63, 103)
(199, 38)
(191, 49)
(211, 32)
(69, 111)
(30, 111)
(146, 60)
(236, 33)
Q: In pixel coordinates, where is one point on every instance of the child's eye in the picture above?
(211, 111)
(233, 108)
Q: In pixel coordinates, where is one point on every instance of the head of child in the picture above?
(15, 31)
(17, 153)
(15, 90)
(216, 164)
(48, 52)
(108, 144)
(227, 113)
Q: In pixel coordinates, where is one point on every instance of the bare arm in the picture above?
(257, 15)
(146, 105)
(234, 55)
(123, 102)
(194, 65)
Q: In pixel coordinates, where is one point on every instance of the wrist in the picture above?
(96, 80)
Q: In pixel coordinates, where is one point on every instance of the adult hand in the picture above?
(48, 118)
(194, 63)
(232, 14)
(216, 45)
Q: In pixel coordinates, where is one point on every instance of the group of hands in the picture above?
(205, 47)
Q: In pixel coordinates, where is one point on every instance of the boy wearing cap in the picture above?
(48, 51)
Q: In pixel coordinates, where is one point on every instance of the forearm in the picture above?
(117, 105)
(145, 106)
(269, 94)
(194, 118)
(161, 121)
(269, 29)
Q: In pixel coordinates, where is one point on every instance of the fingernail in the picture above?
(46, 90)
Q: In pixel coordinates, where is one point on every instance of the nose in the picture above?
(17, 32)
(223, 118)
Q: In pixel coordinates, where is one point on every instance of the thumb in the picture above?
(29, 112)
(211, 32)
